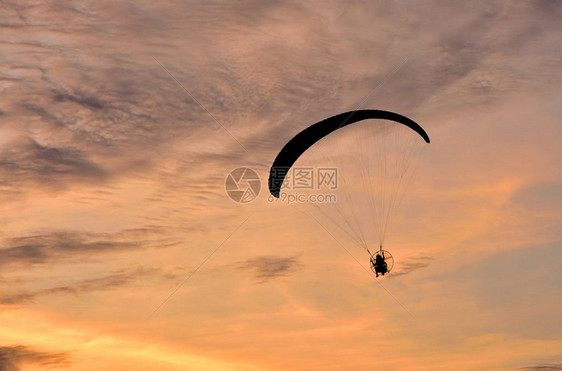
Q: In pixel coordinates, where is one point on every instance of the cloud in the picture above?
(11, 357)
(99, 113)
(65, 245)
(266, 268)
(410, 265)
(114, 280)
(29, 163)
(39, 249)
(544, 367)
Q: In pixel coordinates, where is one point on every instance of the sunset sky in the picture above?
(120, 120)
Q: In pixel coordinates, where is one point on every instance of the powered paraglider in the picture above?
(374, 160)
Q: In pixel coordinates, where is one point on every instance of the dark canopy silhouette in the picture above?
(306, 138)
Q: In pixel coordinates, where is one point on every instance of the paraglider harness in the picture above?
(378, 262)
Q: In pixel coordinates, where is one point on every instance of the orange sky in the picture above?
(112, 186)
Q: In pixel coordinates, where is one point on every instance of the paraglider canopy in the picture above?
(306, 138)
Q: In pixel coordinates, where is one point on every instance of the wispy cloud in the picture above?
(67, 245)
(112, 281)
(266, 268)
(544, 367)
(11, 357)
(29, 163)
(410, 265)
